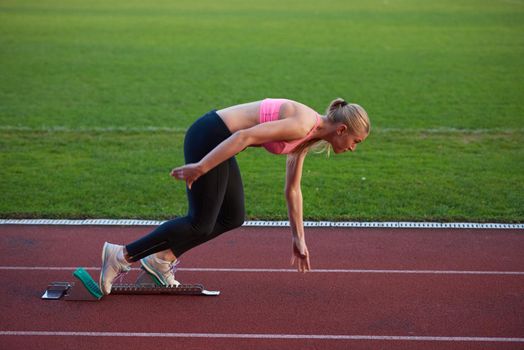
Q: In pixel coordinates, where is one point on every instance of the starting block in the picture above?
(86, 289)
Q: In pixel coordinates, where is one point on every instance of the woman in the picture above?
(214, 186)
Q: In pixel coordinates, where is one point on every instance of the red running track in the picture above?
(430, 292)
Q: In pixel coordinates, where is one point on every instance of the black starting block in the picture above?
(86, 289)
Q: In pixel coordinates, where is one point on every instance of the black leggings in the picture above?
(216, 199)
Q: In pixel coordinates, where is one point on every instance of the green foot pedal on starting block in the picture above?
(89, 284)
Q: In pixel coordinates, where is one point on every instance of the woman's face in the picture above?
(343, 140)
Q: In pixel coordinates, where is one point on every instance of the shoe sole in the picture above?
(101, 280)
(150, 271)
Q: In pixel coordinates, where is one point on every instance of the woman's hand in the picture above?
(189, 172)
(300, 256)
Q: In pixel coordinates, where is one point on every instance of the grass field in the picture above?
(95, 98)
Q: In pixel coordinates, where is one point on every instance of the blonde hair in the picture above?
(351, 114)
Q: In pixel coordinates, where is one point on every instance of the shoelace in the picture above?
(172, 270)
(120, 276)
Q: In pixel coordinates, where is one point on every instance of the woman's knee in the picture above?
(239, 220)
(202, 228)
(234, 221)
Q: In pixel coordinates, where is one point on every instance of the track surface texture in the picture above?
(369, 289)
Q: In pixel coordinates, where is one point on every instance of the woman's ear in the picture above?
(341, 128)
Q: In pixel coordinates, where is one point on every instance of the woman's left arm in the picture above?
(294, 165)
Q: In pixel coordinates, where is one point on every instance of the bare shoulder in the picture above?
(299, 111)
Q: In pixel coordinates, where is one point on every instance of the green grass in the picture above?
(433, 176)
(454, 66)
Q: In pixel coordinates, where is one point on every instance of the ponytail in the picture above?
(351, 114)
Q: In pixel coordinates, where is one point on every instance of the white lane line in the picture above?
(167, 129)
(444, 272)
(207, 269)
(107, 129)
(340, 224)
(262, 336)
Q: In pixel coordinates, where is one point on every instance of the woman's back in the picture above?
(247, 115)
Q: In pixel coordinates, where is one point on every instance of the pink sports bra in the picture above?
(269, 111)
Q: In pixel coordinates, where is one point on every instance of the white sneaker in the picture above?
(163, 271)
(112, 268)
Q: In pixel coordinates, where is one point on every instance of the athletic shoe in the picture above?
(163, 271)
(112, 268)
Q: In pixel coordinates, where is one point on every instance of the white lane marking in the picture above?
(262, 336)
(107, 129)
(155, 128)
(350, 224)
(442, 272)
(208, 269)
